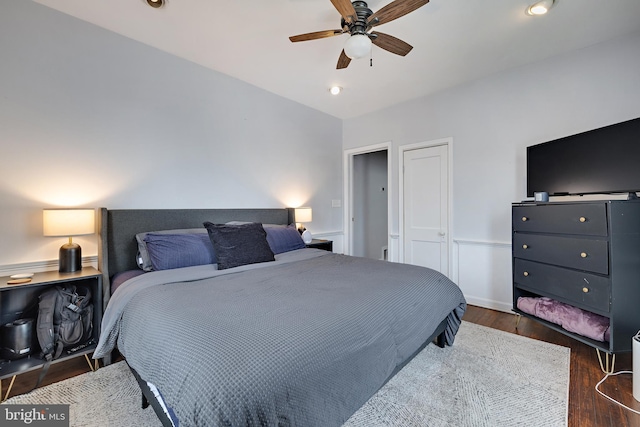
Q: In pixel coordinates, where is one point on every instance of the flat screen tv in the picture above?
(600, 161)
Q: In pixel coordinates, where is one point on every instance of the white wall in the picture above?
(90, 118)
(491, 122)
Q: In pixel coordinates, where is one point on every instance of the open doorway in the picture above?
(370, 218)
(367, 202)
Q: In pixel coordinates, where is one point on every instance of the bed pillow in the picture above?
(168, 251)
(283, 238)
(143, 258)
(239, 244)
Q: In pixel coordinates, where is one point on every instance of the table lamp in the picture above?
(68, 223)
(304, 215)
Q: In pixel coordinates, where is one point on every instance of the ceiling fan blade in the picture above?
(343, 61)
(314, 36)
(346, 9)
(394, 10)
(391, 44)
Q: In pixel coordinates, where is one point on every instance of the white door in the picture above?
(426, 202)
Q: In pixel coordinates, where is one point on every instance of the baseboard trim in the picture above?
(490, 304)
(481, 243)
(326, 234)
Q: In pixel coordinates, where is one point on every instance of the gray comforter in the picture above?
(302, 341)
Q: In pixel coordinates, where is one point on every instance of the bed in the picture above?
(303, 338)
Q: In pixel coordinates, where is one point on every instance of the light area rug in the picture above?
(487, 378)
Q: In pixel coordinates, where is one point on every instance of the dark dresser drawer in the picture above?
(579, 218)
(588, 254)
(583, 290)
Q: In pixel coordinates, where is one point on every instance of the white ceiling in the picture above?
(455, 41)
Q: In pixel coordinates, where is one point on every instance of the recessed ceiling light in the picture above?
(155, 3)
(335, 90)
(540, 7)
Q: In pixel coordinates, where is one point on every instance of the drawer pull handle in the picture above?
(583, 219)
(525, 274)
(585, 290)
(525, 246)
(583, 254)
(525, 219)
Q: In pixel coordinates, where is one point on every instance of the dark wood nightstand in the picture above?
(21, 301)
(325, 245)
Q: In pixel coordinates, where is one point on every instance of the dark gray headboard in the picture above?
(117, 247)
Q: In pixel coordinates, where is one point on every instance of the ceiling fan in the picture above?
(358, 20)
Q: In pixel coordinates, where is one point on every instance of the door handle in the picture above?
(441, 233)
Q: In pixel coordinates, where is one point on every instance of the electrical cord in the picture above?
(610, 398)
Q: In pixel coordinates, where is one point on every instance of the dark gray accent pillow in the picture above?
(239, 244)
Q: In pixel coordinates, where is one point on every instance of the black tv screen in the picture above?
(600, 161)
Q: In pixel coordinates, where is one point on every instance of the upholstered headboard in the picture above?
(117, 247)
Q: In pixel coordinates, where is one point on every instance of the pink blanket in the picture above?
(571, 318)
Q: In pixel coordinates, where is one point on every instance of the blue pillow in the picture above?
(167, 251)
(241, 244)
(142, 258)
(283, 238)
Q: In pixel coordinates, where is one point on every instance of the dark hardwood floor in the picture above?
(586, 407)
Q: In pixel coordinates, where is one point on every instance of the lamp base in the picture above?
(70, 258)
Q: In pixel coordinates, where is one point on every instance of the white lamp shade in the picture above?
(303, 215)
(68, 222)
(357, 46)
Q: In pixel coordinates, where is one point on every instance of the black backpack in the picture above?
(65, 319)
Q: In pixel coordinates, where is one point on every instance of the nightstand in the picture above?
(325, 245)
(21, 302)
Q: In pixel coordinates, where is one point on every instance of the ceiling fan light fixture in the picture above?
(540, 7)
(357, 46)
(155, 3)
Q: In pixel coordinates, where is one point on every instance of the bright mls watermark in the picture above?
(34, 415)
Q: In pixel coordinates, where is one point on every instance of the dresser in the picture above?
(586, 254)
